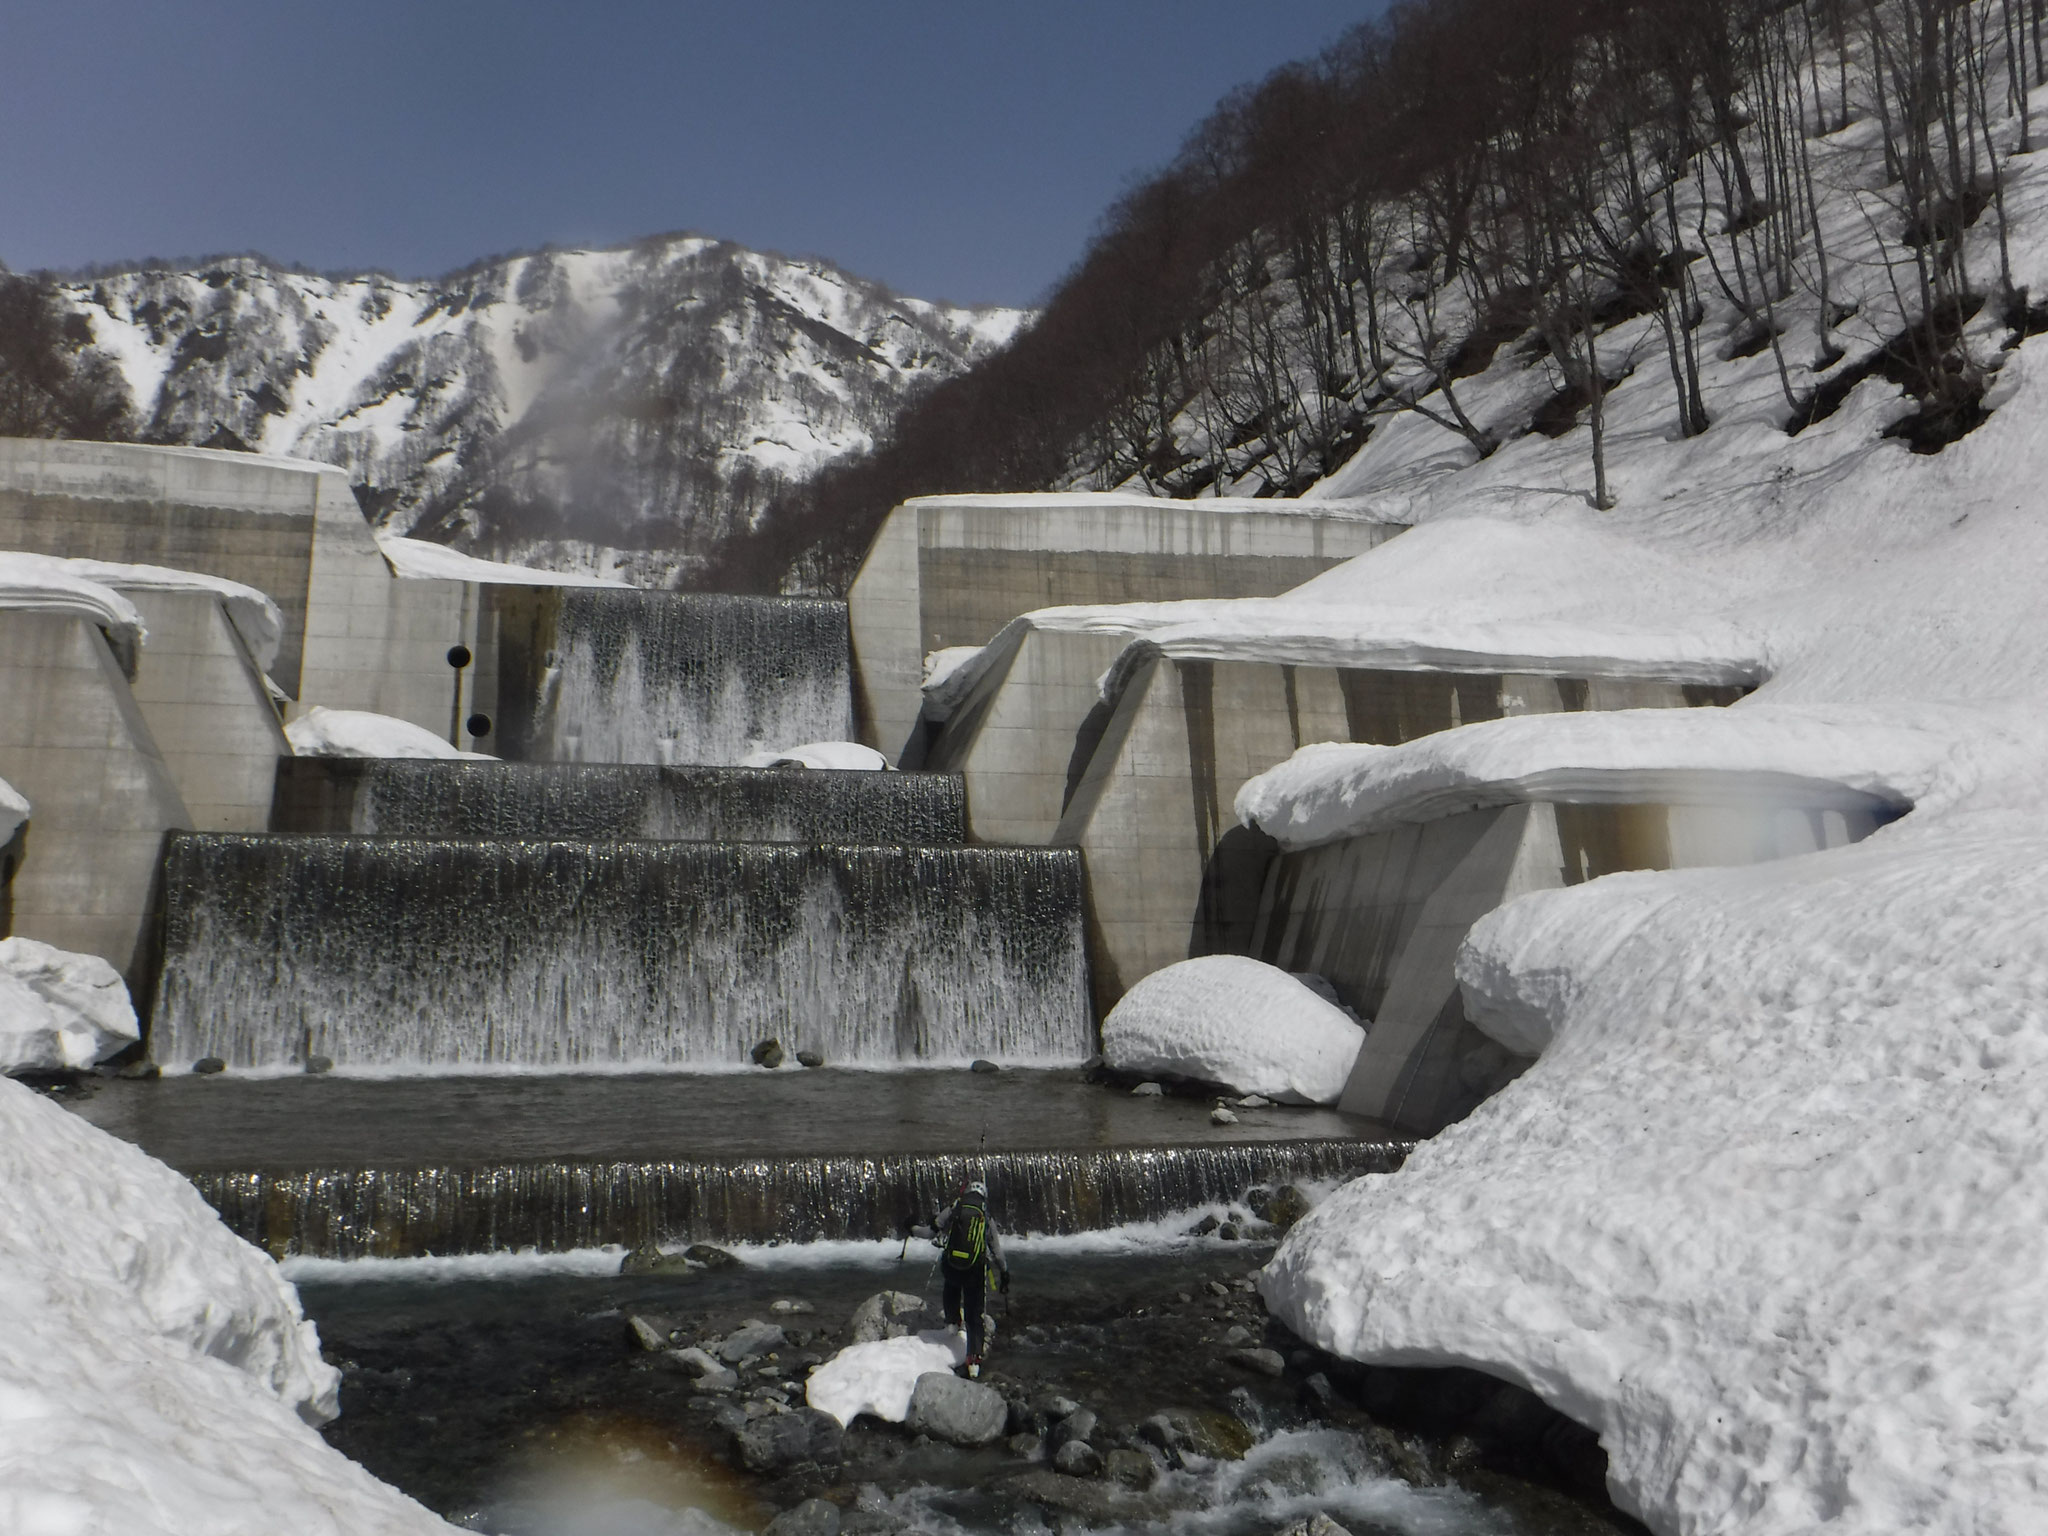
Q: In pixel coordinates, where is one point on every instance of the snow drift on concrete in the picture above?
(1844, 759)
(419, 558)
(879, 1377)
(58, 1009)
(156, 1374)
(324, 732)
(1241, 1023)
(13, 811)
(45, 584)
(818, 754)
(255, 617)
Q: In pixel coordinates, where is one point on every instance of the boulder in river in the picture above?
(650, 1260)
(959, 1412)
(885, 1315)
(809, 1059)
(1078, 1425)
(785, 1440)
(813, 1517)
(982, 1064)
(767, 1054)
(1266, 1362)
(207, 1066)
(710, 1257)
(1317, 1524)
(1134, 1469)
(751, 1338)
(1077, 1458)
(711, 1376)
(651, 1331)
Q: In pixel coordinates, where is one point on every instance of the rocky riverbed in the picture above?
(1139, 1386)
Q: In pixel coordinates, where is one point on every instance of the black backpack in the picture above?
(966, 1247)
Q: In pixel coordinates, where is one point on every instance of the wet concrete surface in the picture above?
(233, 1122)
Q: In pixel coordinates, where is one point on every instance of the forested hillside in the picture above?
(1489, 214)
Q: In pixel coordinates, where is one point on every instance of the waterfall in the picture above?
(669, 677)
(429, 797)
(415, 952)
(400, 1212)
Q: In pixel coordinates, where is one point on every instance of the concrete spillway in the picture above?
(425, 953)
(418, 797)
(596, 675)
(342, 1167)
(555, 1206)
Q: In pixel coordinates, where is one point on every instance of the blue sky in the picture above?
(953, 150)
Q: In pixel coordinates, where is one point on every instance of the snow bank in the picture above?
(1845, 760)
(58, 1009)
(1242, 1023)
(817, 754)
(156, 1374)
(324, 732)
(878, 1378)
(43, 583)
(1766, 1212)
(418, 557)
(13, 811)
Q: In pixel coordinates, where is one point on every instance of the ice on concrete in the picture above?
(156, 1372)
(324, 732)
(1849, 760)
(818, 754)
(58, 1009)
(878, 1378)
(418, 557)
(1235, 1021)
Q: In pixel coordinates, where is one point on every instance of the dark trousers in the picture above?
(966, 1290)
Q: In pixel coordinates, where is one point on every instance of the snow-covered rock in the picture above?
(324, 732)
(1235, 1021)
(880, 1377)
(58, 1009)
(818, 754)
(156, 1373)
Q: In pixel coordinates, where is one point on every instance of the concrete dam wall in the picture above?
(444, 953)
(595, 675)
(415, 797)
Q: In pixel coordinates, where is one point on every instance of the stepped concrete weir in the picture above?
(451, 953)
(345, 1167)
(606, 675)
(438, 797)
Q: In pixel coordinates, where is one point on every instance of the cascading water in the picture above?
(669, 677)
(429, 797)
(562, 1205)
(405, 952)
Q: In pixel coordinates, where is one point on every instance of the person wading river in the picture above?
(970, 1252)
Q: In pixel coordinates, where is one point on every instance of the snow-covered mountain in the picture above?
(593, 409)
